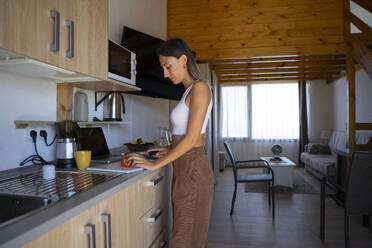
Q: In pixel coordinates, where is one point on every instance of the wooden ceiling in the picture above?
(262, 40)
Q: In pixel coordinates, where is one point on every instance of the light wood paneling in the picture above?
(246, 29)
(279, 70)
(91, 42)
(28, 32)
(64, 101)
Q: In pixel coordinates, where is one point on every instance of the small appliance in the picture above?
(66, 144)
(122, 64)
(80, 106)
(113, 105)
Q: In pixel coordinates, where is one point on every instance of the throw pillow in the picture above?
(319, 149)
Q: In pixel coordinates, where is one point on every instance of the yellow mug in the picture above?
(82, 159)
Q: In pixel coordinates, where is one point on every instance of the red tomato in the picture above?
(125, 162)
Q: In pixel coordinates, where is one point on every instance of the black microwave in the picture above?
(122, 64)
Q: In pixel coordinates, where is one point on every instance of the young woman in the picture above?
(192, 186)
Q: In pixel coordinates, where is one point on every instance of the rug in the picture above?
(300, 185)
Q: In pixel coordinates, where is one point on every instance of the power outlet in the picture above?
(27, 136)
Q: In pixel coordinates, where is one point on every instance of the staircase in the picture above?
(359, 52)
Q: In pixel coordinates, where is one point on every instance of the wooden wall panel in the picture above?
(231, 28)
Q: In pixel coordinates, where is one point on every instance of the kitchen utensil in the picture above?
(49, 171)
(82, 159)
(113, 105)
(138, 147)
(67, 129)
(65, 155)
(80, 106)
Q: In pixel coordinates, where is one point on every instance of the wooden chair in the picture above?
(266, 177)
(358, 200)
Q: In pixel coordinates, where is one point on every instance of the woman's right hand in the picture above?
(160, 152)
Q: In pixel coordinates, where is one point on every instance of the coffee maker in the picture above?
(67, 132)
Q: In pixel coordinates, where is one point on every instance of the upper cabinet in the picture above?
(70, 34)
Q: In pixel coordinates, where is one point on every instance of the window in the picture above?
(234, 111)
(260, 111)
(275, 111)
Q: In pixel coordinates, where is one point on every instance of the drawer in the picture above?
(153, 223)
(152, 190)
(160, 241)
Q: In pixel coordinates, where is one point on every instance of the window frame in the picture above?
(249, 117)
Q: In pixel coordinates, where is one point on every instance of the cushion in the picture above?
(323, 164)
(319, 149)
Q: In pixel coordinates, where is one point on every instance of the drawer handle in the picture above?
(55, 45)
(156, 216)
(106, 218)
(70, 51)
(90, 229)
(154, 182)
(163, 244)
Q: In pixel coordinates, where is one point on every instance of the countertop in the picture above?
(41, 221)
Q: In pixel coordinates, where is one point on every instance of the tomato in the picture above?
(125, 162)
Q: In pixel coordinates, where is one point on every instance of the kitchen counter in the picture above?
(21, 232)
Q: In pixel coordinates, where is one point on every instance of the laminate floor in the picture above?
(296, 222)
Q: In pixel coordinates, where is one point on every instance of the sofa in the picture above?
(324, 165)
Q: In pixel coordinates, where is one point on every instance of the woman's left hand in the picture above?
(140, 161)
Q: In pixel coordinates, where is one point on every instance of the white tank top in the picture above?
(180, 115)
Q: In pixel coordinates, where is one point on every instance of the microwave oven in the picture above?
(122, 64)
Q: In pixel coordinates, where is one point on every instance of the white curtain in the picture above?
(270, 117)
(234, 112)
(275, 111)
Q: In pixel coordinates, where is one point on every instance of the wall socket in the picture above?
(27, 136)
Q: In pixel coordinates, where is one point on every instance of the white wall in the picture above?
(320, 100)
(148, 16)
(25, 98)
(363, 91)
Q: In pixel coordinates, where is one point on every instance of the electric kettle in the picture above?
(113, 106)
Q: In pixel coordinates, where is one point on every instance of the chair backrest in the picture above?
(359, 188)
(231, 156)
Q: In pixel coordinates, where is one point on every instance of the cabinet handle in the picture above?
(163, 244)
(106, 218)
(55, 45)
(70, 51)
(154, 182)
(156, 216)
(90, 229)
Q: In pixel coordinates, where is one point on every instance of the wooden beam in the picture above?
(361, 54)
(280, 70)
(64, 101)
(254, 65)
(267, 42)
(341, 75)
(367, 4)
(363, 147)
(317, 74)
(277, 59)
(367, 30)
(363, 126)
(351, 98)
(269, 79)
(364, 38)
(337, 48)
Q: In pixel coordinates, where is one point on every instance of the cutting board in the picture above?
(113, 167)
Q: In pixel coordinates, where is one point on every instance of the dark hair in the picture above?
(177, 47)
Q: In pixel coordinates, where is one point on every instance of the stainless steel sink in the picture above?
(13, 206)
(26, 193)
